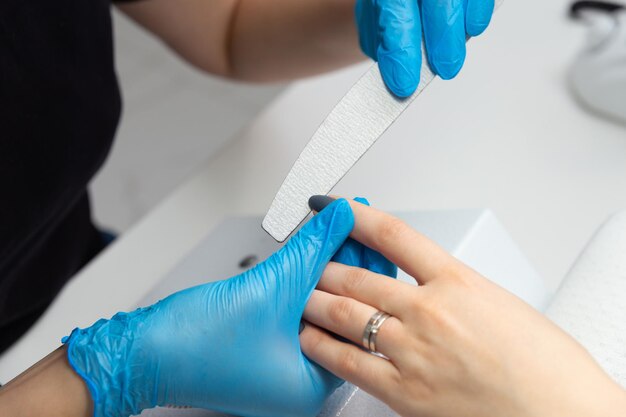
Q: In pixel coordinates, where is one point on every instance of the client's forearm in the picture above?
(50, 388)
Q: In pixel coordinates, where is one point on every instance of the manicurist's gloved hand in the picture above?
(230, 346)
(390, 32)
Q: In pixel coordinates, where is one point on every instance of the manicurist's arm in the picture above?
(49, 388)
(255, 40)
(268, 40)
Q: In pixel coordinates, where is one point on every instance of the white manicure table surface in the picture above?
(506, 134)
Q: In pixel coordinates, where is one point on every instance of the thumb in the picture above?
(303, 259)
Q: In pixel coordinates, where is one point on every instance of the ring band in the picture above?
(371, 330)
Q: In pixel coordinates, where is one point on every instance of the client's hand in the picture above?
(458, 345)
(229, 346)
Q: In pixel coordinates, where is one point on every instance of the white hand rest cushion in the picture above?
(591, 303)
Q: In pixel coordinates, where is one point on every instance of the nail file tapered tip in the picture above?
(353, 126)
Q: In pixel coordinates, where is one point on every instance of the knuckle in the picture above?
(348, 362)
(390, 231)
(392, 332)
(418, 303)
(437, 317)
(431, 310)
(458, 277)
(355, 278)
(340, 311)
(311, 342)
(392, 327)
(452, 271)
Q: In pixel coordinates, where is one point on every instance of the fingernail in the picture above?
(319, 202)
(301, 327)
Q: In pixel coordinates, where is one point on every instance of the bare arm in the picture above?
(254, 40)
(49, 388)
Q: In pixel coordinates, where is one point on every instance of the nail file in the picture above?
(351, 128)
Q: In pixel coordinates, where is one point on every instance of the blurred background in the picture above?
(164, 101)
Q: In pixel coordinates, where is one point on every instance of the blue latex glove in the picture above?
(390, 32)
(354, 253)
(230, 346)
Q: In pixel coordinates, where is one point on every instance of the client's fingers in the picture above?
(371, 373)
(379, 291)
(348, 318)
(411, 251)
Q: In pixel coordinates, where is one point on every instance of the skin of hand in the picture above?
(390, 32)
(229, 346)
(457, 344)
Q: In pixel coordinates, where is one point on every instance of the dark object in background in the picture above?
(579, 6)
(598, 73)
(60, 107)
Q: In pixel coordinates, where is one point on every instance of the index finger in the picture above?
(411, 251)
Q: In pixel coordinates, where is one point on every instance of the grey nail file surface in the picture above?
(351, 128)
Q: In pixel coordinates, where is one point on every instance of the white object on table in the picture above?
(591, 303)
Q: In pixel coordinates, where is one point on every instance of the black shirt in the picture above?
(59, 109)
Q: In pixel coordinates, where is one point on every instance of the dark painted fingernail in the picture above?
(301, 327)
(319, 202)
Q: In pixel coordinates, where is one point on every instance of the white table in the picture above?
(505, 135)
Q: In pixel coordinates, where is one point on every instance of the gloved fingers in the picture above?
(399, 52)
(376, 262)
(350, 253)
(444, 33)
(353, 253)
(302, 260)
(477, 16)
(366, 20)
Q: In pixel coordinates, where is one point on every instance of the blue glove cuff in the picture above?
(99, 355)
